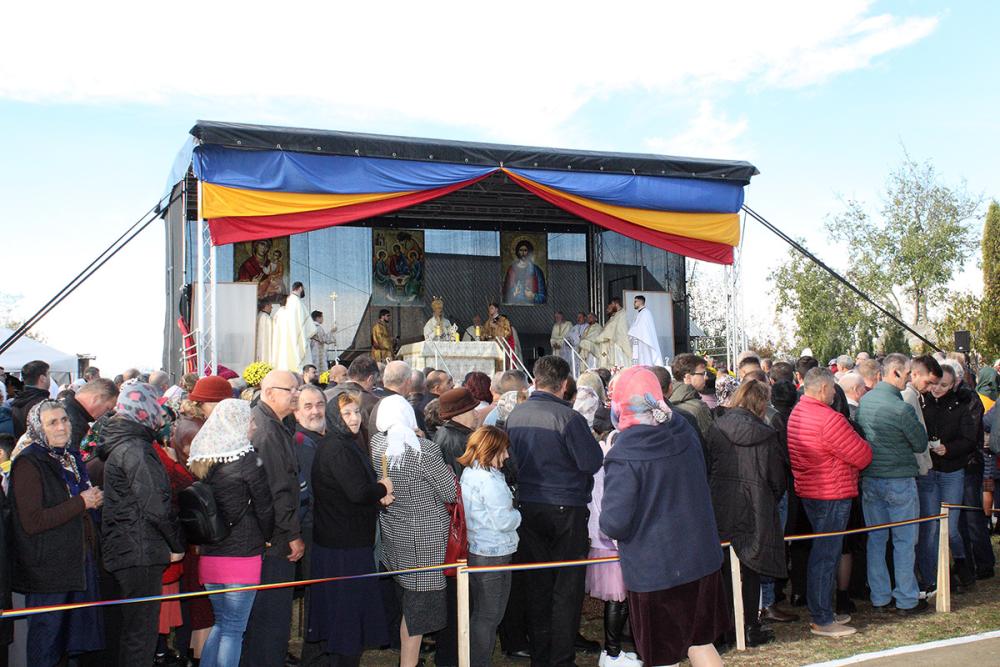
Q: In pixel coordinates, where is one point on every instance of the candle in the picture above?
(477, 332)
(437, 330)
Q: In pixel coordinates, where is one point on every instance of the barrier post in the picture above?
(737, 578)
(462, 587)
(943, 599)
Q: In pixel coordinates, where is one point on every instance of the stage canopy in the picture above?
(262, 182)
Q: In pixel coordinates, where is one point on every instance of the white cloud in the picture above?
(710, 134)
(520, 70)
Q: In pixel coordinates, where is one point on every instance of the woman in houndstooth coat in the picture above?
(415, 526)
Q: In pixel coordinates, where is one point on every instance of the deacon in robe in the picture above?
(265, 333)
(438, 327)
(645, 344)
(293, 327)
(590, 348)
(616, 349)
(498, 326)
(474, 331)
(560, 330)
(382, 338)
(320, 339)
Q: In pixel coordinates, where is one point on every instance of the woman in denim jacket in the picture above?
(492, 524)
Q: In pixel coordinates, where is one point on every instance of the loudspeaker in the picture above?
(962, 341)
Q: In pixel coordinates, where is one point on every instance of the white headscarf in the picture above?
(225, 435)
(397, 420)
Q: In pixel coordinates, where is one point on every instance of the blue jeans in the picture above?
(225, 641)
(887, 500)
(767, 583)
(825, 516)
(935, 488)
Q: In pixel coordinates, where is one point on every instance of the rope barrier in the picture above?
(28, 611)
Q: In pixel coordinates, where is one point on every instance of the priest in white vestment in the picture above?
(264, 334)
(560, 330)
(616, 349)
(577, 330)
(590, 348)
(645, 344)
(474, 332)
(439, 328)
(293, 327)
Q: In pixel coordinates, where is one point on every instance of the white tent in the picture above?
(62, 365)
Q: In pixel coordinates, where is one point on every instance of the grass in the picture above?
(974, 612)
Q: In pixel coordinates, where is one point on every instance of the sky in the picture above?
(96, 99)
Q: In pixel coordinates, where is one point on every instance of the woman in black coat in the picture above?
(347, 615)
(746, 473)
(54, 539)
(222, 457)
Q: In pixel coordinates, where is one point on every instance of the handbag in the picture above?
(458, 540)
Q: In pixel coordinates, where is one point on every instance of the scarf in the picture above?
(397, 420)
(586, 404)
(139, 402)
(637, 399)
(725, 386)
(225, 436)
(593, 381)
(36, 435)
(508, 401)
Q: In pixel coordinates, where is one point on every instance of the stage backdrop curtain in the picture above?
(252, 194)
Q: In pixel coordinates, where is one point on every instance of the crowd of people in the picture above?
(110, 488)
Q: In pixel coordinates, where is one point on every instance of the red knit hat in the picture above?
(211, 389)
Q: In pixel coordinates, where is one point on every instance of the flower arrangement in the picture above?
(324, 377)
(255, 372)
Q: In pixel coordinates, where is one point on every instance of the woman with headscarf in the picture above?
(604, 581)
(140, 535)
(222, 457)
(658, 506)
(347, 615)
(988, 386)
(415, 526)
(54, 539)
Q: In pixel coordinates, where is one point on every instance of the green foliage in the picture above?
(8, 303)
(913, 248)
(988, 341)
(965, 313)
(829, 318)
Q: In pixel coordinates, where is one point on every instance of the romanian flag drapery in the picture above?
(252, 194)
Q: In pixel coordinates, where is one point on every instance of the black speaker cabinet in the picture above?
(962, 342)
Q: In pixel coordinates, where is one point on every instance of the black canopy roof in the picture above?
(265, 137)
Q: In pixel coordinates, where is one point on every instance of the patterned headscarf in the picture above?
(638, 399)
(138, 402)
(725, 386)
(508, 401)
(987, 383)
(586, 403)
(225, 435)
(593, 381)
(36, 433)
(399, 423)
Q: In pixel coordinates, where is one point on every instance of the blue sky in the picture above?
(93, 108)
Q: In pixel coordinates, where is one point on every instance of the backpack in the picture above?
(200, 517)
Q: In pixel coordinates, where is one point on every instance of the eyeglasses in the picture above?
(699, 373)
(290, 390)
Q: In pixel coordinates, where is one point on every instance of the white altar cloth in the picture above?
(459, 358)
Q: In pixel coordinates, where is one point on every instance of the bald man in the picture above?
(338, 374)
(396, 379)
(854, 388)
(268, 630)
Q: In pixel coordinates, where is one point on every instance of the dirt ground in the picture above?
(972, 613)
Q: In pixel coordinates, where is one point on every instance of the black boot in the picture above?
(966, 573)
(758, 635)
(845, 605)
(615, 617)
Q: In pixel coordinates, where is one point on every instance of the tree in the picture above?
(8, 303)
(908, 254)
(988, 341)
(965, 313)
(830, 319)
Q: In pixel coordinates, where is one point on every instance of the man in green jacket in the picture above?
(690, 371)
(889, 487)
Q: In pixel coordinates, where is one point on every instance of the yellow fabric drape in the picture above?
(219, 201)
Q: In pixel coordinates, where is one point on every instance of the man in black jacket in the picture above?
(557, 457)
(90, 402)
(269, 628)
(35, 375)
